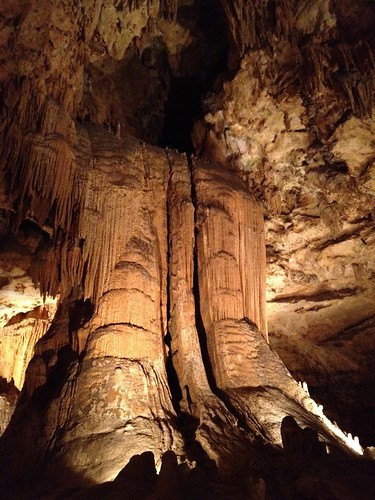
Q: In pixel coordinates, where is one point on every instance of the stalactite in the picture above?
(343, 66)
(133, 4)
(254, 24)
(17, 347)
(41, 170)
(270, 26)
(168, 9)
(45, 271)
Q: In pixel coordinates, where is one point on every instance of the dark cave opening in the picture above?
(351, 404)
(80, 312)
(31, 235)
(181, 110)
(156, 91)
(202, 66)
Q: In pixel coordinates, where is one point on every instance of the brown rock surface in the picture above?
(296, 120)
(138, 287)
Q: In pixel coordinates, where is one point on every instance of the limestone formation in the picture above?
(143, 290)
(296, 121)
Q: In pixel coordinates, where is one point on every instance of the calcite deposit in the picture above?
(159, 310)
(297, 122)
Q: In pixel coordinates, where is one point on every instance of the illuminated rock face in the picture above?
(297, 122)
(155, 235)
(100, 369)
(159, 341)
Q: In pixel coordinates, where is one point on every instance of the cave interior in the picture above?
(187, 270)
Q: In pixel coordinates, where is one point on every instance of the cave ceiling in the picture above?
(277, 93)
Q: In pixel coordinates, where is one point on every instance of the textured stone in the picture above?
(285, 121)
(158, 262)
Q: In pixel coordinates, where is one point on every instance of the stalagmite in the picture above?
(231, 247)
(125, 339)
(231, 262)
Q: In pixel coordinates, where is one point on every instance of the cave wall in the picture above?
(157, 260)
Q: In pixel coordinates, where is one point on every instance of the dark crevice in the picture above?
(173, 382)
(31, 235)
(319, 296)
(188, 425)
(39, 312)
(80, 312)
(351, 331)
(343, 236)
(122, 323)
(202, 66)
(9, 391)
(196, 292)
(57, 376)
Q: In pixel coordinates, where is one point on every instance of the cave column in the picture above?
(232, 272)
(217, 429)
(119, 399)
(231, 268)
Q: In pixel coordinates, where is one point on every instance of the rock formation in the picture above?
(142, 291)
